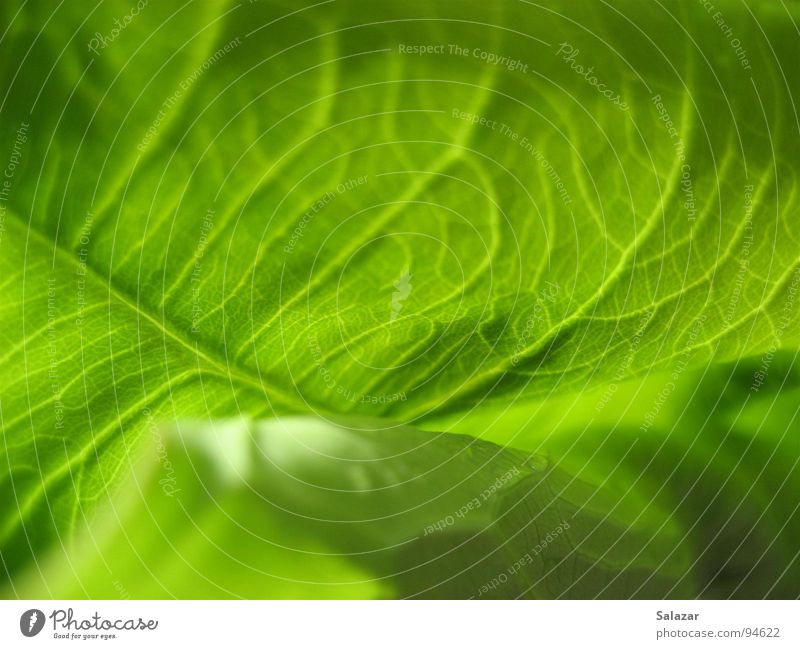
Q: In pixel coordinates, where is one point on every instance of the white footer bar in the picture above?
(389, 624)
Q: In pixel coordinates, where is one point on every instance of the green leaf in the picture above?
(270, 209)
(711, 456)
(703, 505)
(421, 515)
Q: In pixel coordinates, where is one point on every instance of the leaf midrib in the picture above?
(168, 328)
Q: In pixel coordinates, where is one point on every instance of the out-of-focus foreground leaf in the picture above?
(700, 507)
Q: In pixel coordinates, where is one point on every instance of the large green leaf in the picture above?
(265, 209)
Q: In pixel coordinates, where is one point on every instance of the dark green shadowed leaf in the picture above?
(715, 455)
